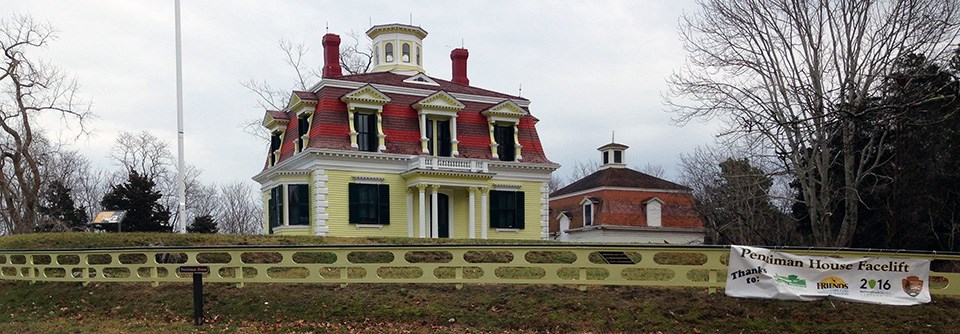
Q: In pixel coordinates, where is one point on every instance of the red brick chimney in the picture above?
(331, 56)
(459, 58)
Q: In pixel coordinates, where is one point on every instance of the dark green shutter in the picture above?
(354, 195)
(383, 204)
(519, 215)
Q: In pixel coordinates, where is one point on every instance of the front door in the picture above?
(443, 216)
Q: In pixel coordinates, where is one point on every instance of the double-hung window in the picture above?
(506, 146)
(298, 201)
(506, 209)
(369, 203)
(588, 214)
(275, 207)
(438, 137)
(275, 141)
(366, 127)
(303, 129)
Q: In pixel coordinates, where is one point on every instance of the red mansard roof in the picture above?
(394, 79)
(330, 129)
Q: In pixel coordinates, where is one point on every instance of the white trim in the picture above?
(412, 91)
(320, 203)
(409, 213)
(584, 213)
(290, 228)
(368, 179)
(587, 191)
(427, 80)
(508, 230)
(376, 226)
(506, 187)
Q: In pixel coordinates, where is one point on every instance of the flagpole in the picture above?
(181, 179)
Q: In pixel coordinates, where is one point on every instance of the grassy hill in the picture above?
(362, 308)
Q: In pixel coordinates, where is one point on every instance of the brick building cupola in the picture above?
(397, 47)
(612, 155)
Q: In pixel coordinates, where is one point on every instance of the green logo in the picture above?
(791, 280)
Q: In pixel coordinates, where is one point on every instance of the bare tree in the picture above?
(355, 58)
(800, 76)
(144, 153)
(737, 198)
(31, 88)
(242, 210)
(651, 169)
(582, 169)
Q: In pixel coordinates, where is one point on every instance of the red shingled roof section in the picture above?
(330, 128)
(306, 96)
(393, 79)
(278, 115)
(618, 177)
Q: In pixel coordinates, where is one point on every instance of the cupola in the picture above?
(397, 47)
(612, 155)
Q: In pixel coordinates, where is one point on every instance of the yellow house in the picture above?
(396, 152)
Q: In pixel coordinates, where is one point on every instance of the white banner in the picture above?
(764, 273)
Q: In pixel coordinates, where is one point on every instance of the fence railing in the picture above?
(574, 264)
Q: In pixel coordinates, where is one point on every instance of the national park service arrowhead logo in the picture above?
(912, 285)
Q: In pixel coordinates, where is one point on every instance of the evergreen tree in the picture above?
(203, 224)
(138, 197)
(58, 211)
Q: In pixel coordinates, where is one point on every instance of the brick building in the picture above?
(618, 204)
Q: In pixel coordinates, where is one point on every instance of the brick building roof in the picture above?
(618, 177)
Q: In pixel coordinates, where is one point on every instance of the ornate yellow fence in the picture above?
(574, 264)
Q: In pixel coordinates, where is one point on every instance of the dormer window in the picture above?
(506, 145)
(275, 140)
(439, 141)
(388, 49)
(303, 131)
(588, 214)
(405, 52)
(364, 118)
(366, 128)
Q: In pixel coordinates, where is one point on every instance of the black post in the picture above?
(198, 298)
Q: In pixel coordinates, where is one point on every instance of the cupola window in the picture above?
(388, 49)
(418, 55)
(376, 55)
(405, 55)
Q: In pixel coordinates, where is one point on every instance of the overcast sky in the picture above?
(588, 67)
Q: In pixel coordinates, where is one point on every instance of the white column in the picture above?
(454, 143)
(434, 226)
(423, 133)
(484, 224)
(409, 213)
(473, 213)
(423, 210)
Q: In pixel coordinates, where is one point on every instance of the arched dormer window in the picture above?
(388, 49)
(405, 52)
(588, 214)
(589, 206)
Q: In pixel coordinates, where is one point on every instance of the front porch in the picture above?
(442, 206)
